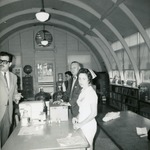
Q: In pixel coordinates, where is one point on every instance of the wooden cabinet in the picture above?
(124, 97)
(28, 86)
(115, 99)
(102, 85)
(144, 108)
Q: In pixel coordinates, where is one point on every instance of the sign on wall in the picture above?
(45, 72)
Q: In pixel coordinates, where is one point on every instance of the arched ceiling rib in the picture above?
(92, 18)
(72, 28)
(72, 17)
(96, 14)
(136, 23)
(123, 42)
(101, 52)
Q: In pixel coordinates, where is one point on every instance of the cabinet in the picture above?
(28, 86)
(102, 85)
(144, 108)
(124, 97)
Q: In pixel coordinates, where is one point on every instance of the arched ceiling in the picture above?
(105, 20)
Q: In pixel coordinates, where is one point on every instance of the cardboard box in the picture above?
(58, 113)
(32, 109)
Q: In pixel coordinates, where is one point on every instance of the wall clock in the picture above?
(43, 38)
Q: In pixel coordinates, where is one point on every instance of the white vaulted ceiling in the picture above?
(98, 22)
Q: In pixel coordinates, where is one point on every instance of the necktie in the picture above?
(5, 79)
(73, 82)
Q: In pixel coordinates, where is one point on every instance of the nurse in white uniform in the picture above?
(87, 102)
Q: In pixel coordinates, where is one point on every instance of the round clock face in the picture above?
(43, 35)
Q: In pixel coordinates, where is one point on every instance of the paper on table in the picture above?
(141, 131)
(67, 141)
(110, 116)
(31, 130)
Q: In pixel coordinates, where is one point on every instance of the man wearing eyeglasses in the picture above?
(8, 94)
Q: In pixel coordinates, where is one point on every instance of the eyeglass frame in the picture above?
(4, 61)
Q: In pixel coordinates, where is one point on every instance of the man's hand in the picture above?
(65, 104)
(57, 102)
(18, 96)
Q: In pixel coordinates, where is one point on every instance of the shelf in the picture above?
(124, 97)
(128, 98)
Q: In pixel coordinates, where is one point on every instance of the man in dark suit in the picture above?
(71, 95)
(8, 94)
(68, 76)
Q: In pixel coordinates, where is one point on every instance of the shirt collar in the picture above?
(4, 72)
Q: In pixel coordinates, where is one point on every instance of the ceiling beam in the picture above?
(112, 28)
(17, 25)
(66, 15)
(136, 22)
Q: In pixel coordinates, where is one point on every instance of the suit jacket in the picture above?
(72, 97)
(7, 95)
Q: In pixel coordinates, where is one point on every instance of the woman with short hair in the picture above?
(87, 102)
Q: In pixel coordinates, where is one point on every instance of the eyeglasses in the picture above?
(4, 61)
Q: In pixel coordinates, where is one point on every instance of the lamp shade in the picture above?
(42, 16)
(44, 42)
(43, 38)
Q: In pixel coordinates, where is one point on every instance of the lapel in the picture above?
(2, 79)
(70, 84)
(4, 82)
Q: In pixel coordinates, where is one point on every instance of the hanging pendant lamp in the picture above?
(44, 41)
(42, 16)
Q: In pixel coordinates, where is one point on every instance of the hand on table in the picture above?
(18, 96)
(65, 104)
(74, 120)
(77, 126)
(56, 102)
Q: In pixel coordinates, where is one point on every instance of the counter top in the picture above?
(45, 136)
(122, 131)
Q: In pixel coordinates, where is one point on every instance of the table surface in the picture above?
(122, 131)
(45, 137)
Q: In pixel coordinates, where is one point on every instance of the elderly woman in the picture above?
(87, 103)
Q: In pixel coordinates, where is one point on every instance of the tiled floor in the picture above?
(102, 142)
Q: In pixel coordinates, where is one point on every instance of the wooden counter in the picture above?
(45, 137)
(122, 131)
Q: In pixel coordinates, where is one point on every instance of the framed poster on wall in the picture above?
(45, 72)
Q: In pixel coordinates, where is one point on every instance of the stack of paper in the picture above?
(69, 140)
(110, 116)
(142, 132)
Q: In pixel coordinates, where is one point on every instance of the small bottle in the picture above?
(25, 119)
(104, 99)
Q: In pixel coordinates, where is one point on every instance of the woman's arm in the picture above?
(92, 115)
